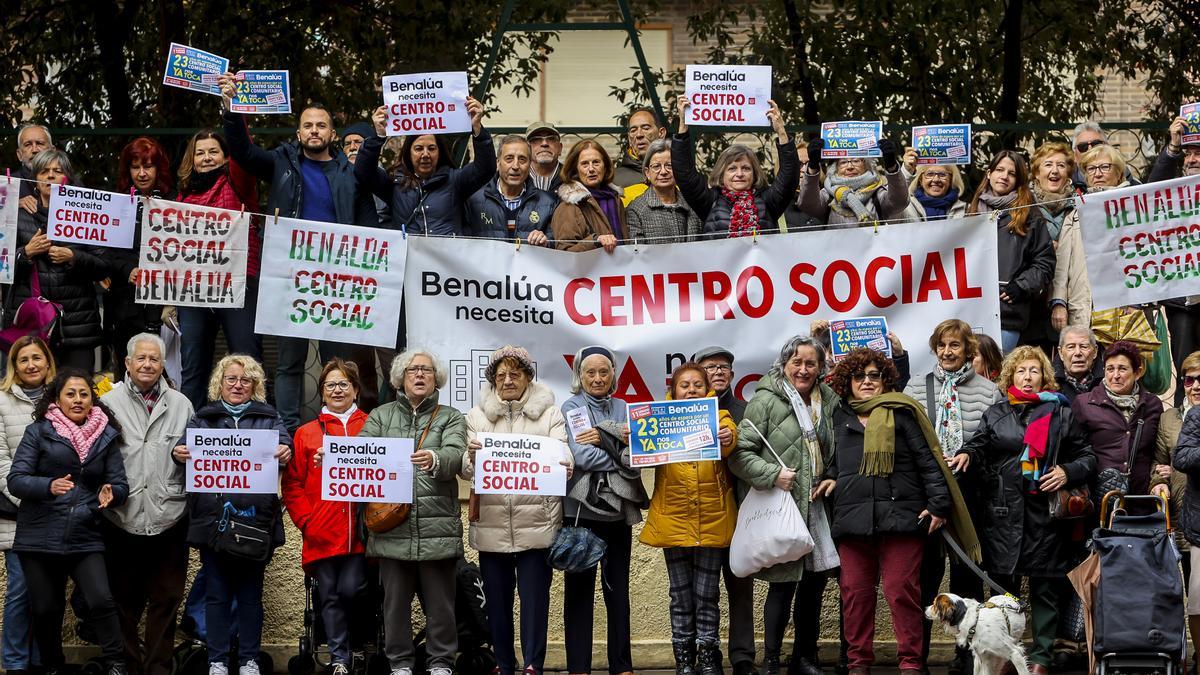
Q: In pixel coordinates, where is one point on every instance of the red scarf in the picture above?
(1037, 432)
(743, 221)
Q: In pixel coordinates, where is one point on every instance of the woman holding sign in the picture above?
(333, 552)
(67, 468)
(692, 515)
(735, 200)
(936, 193)
(855, 192)
(422, 552)
(791, 413)
(238, 395)
(513, 532)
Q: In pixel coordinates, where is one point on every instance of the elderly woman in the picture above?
(854, 192)
(792, 413)
(605, 496)
(591, 214)
(1179, 448)
(660, 215)
(1071, 294)
(513, 532)
(1117, 414)
(421, 553)
(1026, 448)
(955, 398)
(30, 367)
(332, 551)
(60, 272)
(1052, 165)
(736, 201)
(238, 393)
(67, 468)
(1026, 257)
(936, 193)
(890, 488)
(692, 514)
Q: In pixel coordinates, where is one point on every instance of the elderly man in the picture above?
(31, 139)
(146, 550)
(642, 128)
(1086, 136)
(546, 145)
(1076, 368)
(511, 207)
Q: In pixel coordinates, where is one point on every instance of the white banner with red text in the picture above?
(655, 305)
(192, 255)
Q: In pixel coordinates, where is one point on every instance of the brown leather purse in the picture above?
(379, 517)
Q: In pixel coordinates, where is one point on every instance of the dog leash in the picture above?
(966, 560)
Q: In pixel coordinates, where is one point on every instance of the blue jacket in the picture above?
(68, 523)
(590, 458)
(486, 212)
(436, 207)
(281, 168)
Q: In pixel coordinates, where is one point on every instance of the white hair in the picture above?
(1076, 330)
(131, 346)
(404, 359)
(1087, 126)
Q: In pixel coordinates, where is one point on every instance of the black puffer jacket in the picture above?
(121, 311)
(1014, 526)
(1187, 460)
(873, 505)
(68, 523)
(1026, 266)
(72, 285)
(205, 509)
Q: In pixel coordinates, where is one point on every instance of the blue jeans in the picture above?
(230, 581)
(199, 328)
(1009, 339)
(18, 651)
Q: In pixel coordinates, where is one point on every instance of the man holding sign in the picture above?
(1183, 148)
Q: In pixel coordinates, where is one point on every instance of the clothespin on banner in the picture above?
(277, 215)
(518, 244)
(132, 195)
(755, 234)
(875, 224)
(8, 174)
(62, 181)
(403, 231)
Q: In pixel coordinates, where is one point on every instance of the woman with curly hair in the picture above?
(890, 489)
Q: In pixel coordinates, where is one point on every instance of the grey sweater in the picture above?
(975, 395)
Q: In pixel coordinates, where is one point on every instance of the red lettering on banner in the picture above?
(871, 288)
(739, 389)
(644, 301)
(768, 292)
(831, 299)
(812, 297)
(569, 301)
(906, 279)
(716, 288)
(683, 281)
(933, 278)
(609, 302)
(965, 290)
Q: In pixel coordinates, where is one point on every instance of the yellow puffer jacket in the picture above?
(693, 502)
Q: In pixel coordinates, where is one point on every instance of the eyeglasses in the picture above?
(1084, 147)
(718, 368)
(936, 175)
(655, 168)
(1098, 168)
(1189, 380)
(232, 380)
(344, 385)
(872, 376)
(418, 370)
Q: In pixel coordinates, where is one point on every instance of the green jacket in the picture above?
(771, 411)
(433, 530)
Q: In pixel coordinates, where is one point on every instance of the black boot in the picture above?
(770, 664)
(685, 657)
(117, 668)
(802, 665)
(709, 660)
(963, 663)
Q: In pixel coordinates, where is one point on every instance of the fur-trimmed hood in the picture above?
(574, 192)
(532, 404)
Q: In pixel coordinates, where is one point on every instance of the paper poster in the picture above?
(426, 103)
(367, 470)
(195, 69)
(10, 195)
(728, 96)
(331, 282)
(93, 217)
(261, 92)
(848, 139)
(846, 335)
(1191, 115)
(942, 144)
(192, 256)
(240, 461)
(578, 421)
(664, 432)
(520, 464)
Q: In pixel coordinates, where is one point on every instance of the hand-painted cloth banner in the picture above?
(655, 305)
(192, 256)
(331, 282)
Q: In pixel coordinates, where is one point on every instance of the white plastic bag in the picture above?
(769, 531)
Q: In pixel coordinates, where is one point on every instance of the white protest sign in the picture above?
(10, 195)
(426, 103)
(95, 217)
(654, 305)
(331, 282)
(367, 470)
(520, 464)
(1142, 242)
(240, 461)
(192, 256)
(578, 421)
(728, 96)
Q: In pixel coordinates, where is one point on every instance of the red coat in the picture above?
(236, 191)
(327, 527)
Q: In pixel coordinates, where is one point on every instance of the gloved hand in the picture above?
(815, 146)
(888, 151)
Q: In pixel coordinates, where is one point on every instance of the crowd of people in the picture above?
(877, 459)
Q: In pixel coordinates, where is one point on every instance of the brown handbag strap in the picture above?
(428, 425)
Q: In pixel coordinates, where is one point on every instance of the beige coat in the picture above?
(514, 523)
(578, 220)
(16, 413)
(1071, 283)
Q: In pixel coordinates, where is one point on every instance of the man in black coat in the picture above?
(1076, 368)
(31, 139)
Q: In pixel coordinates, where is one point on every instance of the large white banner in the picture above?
(656, 305)
(192, 256)
(331, 282)
(10, 195)
(1142, 242)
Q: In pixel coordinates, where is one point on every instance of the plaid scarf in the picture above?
(149, 397)
(743, 220)
(1037, 432)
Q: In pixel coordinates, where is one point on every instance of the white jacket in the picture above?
(1071, 283)
(156, 481)
(514, 523)
(16, 413)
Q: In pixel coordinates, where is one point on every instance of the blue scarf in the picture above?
(236, 410)
(936, 207)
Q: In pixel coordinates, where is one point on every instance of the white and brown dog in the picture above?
(992, 630)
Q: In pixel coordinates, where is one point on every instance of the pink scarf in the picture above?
(80, 437)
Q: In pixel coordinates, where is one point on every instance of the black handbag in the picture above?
(8, 510)
(237, 534)
(1113, 479)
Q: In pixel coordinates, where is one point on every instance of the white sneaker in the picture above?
(340, 669)
(218, 669)
(440, 671)
(251, 668)
(401, 671)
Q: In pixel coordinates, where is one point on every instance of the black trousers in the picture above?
(963, 582)
(579, 600)
(801, 602)
(340, 581)
(46, 582)
(741, 613)
(147, 575)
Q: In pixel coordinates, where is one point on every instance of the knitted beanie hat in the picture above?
(520, 354)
